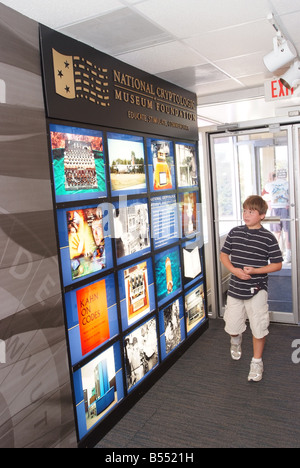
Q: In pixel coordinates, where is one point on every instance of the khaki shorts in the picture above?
(255, 309)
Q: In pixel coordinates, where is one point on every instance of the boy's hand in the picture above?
(249, 270)
(242, 274)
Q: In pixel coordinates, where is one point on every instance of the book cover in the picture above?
(93, 316)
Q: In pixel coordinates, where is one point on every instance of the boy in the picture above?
(250, 252)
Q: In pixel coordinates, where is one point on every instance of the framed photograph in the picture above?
(186, 164)
(141, 352)
(98, 388)
(131, 229)
(161, 165)
(92, 317)
(126, 164)
(171, 327)
(78, 163)
(189, 214)
(164, 227)
(85, 241)
(194, 308)
(137, 295)
(168, 275)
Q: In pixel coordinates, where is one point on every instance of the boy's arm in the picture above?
(271, 268)
(239, 272)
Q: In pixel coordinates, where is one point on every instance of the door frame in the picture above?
(293, 137)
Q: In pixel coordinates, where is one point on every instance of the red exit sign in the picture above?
(274, 90)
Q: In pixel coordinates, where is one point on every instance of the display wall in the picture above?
(126, 193)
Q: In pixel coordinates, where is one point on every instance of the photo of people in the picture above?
(131, 225)
(188, 213)
(186, 164)
(172, 326)
(126, 163)
(86, 241)
(78, 163)
(141, 352)
(194, 307)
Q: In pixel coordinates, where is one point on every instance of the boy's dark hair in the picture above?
(255, 202)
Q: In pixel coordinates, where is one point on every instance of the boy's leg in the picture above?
(258, 313)
(257, 366)
(258, 347)
(235, 325)
(236, 347)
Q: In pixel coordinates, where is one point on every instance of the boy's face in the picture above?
(252, 218)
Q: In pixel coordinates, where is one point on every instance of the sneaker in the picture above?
(256, 371)
(236, 350)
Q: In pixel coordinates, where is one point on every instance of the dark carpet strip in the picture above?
(205, 400)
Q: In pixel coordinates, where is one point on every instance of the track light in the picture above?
(292, 77)
(283, 50)
(283, 53)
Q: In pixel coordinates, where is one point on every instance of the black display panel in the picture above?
(125, 175)
(132, 264)
(125, 179)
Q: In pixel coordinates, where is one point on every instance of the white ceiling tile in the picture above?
(119, 32)
(290, 25)
(242, 65)
(162, 58)
(253, 80)
(285, 6)
(232, 42)
(190, 17)
(190, 77)
(218, 87)
(242, 111)
(58, 13)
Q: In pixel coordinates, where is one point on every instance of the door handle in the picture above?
(272, 219)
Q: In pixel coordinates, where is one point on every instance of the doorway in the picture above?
(258, 162)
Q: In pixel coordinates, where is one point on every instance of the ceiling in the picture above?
(214, 48)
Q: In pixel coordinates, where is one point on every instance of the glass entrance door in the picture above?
(261, 163)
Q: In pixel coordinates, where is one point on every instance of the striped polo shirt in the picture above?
(253, 248)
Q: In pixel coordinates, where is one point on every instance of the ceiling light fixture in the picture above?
(291, 78)
(283, 50)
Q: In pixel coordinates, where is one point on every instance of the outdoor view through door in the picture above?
(258, 163)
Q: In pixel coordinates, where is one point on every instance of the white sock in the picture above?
(256, 360)
(236, 340)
